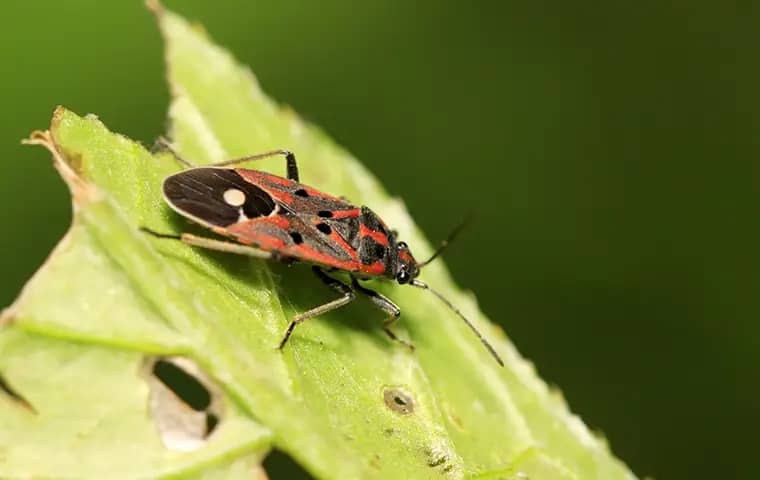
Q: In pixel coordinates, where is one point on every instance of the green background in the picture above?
(608, 149)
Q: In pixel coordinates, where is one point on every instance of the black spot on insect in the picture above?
(183, 384)
(297, 238)
(370, 250)
(378, 250)
(325, 214)
(398, 400)
(302, 193)
(324, 228)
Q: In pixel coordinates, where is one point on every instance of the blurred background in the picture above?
(610, 150)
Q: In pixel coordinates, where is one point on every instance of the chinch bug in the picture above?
(276, 218)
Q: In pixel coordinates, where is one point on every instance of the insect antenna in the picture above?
(447, 241)
(485, 343)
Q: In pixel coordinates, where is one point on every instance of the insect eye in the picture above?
(402, 245)
(402, 277)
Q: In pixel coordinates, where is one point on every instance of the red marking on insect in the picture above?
(377, 268)
(355, 212)
(282, 196)
(282, 219)
(379, 237)
(278, 221)
(324, 259)
(256, 176)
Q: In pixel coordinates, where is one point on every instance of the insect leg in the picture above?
(290, 159)
(347, 296)
(163, 143)
(385, 304)
(213, 244)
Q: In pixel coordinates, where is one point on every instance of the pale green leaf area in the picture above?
(90, 419)
(75, 341)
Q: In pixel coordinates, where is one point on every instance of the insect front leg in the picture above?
(386, 305)
(347, 295)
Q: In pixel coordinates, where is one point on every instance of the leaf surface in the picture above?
(110, 296)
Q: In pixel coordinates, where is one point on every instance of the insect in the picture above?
(270, 217)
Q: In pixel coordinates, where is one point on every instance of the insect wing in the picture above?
(216, 197)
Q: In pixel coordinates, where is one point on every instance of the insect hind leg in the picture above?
(291, 166)
(213, 244)
(386, 305)
(347, 296)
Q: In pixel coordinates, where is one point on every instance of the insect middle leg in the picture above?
(386, 305)
(347, 295)
(290, 159)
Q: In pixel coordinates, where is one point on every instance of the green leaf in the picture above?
(111, 299)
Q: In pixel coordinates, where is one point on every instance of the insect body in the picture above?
(271, 217)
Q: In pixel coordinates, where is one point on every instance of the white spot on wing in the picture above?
(234, 197)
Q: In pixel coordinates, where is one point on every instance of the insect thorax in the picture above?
(376, 246)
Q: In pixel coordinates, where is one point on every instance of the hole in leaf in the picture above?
(279, 464)
(211, 422)
(185, 405)
(398, 400)
(185, 386)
